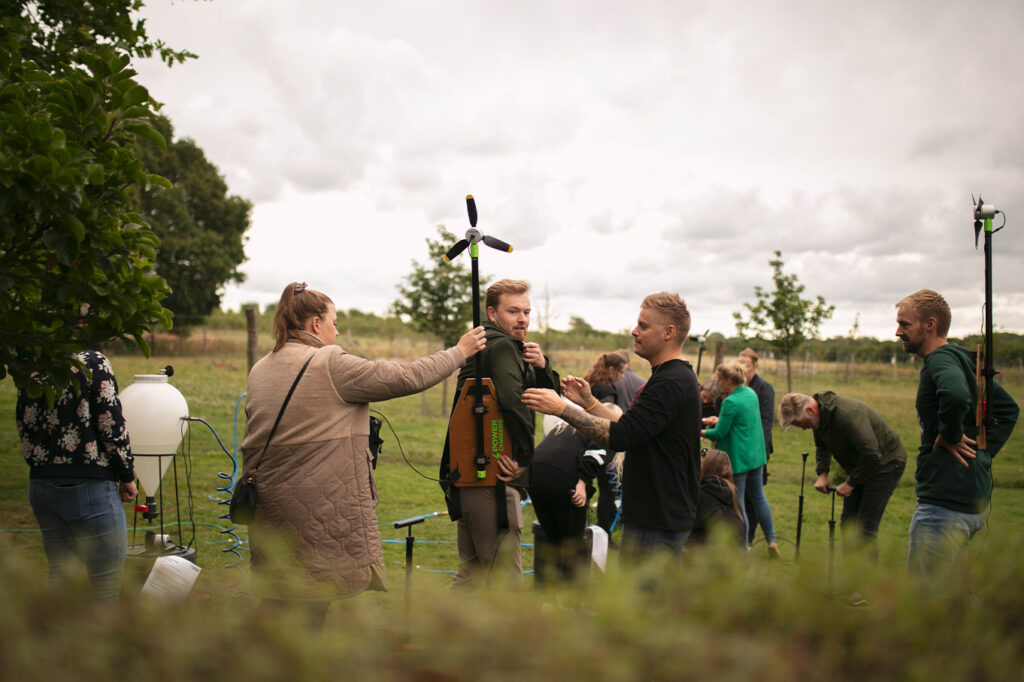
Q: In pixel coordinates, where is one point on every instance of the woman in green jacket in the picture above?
(737, 429)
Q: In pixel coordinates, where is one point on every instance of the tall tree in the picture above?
(781, 317)
(201, 228)
(76, 261)
(437, 299)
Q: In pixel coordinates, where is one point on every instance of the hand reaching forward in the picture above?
(578, 391)
(543, 400)
(472, 342)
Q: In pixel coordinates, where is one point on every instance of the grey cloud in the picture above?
(607, 222)
(946, 139)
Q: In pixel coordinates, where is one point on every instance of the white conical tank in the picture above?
(153, 411)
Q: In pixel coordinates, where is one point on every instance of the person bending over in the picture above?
(868, 449)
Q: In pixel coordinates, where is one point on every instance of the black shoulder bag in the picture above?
(243, 498)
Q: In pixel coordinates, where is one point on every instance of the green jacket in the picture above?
(947, 394)
(739, 431)
(502, 361)
(853, 434)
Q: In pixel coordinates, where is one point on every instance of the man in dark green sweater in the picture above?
(954, 478)
(867, 448)
(513, 365)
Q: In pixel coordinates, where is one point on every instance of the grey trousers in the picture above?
(482, 548)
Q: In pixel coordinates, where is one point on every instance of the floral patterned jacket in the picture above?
(84, 435)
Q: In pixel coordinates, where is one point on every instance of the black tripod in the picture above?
(800, 507)
(832, 540)
(410, 540)
(700, 352)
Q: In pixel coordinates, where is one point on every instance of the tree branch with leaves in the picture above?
(77, 259)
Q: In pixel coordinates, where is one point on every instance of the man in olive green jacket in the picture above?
(486, 538)
(867, 448)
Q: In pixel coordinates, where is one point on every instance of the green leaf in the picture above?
(75, 226)
(135, 95)
(145, 130)
(146, 350)
(159, 180)
(36, 77)
(96, 173)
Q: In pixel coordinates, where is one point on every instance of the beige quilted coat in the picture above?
(315, 535)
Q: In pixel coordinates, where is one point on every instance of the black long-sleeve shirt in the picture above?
(661, 436)
(766, 401)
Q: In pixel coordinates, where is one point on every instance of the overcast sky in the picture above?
(622, 148)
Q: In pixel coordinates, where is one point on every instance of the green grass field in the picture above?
(213, 386)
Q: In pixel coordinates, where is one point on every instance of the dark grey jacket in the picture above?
(853, 434)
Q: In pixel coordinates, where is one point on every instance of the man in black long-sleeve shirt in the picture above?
(660, 433)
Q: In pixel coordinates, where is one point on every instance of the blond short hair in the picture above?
(929, 304)
(502, 287)
(793, 406)
(733, 372)
(748, 352)
(672, 309)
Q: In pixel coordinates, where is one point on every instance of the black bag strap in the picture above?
(281, 411)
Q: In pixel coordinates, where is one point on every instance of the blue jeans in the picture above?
(751, 485)
(82, 518)
(639, 542)
(939, 536)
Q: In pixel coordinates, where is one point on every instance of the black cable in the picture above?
(186, 458)
(397, 440)
(1001, 226)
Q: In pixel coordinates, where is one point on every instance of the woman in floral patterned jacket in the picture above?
(81, 472)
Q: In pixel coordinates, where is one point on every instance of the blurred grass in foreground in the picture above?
(721, 617)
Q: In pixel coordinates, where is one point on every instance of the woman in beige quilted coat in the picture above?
(315, 537)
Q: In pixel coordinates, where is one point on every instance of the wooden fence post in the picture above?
(252, 336)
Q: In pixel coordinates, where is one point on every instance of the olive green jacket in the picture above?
(502, 361)
(857, 437)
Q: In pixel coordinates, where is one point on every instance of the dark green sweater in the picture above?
(946, 399)
(503, 362)
(857, 437)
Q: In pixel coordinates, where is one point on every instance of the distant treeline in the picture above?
(358, 324)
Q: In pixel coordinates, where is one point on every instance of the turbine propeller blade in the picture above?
(459, 247)
(471, 207)
(496, 243)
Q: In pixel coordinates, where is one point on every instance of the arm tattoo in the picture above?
(594, 428)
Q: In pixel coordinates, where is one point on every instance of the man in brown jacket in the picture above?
(867, 448)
